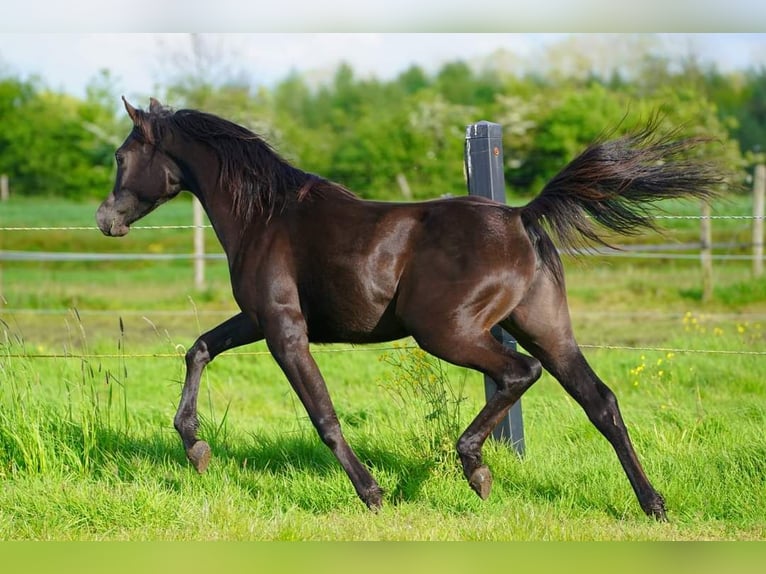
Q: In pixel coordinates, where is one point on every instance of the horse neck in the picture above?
(201, 168)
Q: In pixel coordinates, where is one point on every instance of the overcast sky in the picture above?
(141, 61)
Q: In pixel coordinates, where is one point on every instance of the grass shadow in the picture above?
(124, 456)
(285, 456)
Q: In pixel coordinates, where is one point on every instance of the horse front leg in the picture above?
(234, 332)
(288, 341)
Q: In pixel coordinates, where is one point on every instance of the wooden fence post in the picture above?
(199, 246)
(706, 251)
(404, 186)
(759, 191)
(484, 174)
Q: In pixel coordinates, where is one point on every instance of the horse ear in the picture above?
(154, 105)
(132, 112)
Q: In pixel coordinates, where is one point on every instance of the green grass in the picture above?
(86, 455)
(88, 451)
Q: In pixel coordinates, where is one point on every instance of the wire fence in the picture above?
(659, 251)
(376, 349)
(631, 316)
(626, 252)
(94, 228)
(208, 226)
(643, 251)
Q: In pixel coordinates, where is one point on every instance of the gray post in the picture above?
(484, 174)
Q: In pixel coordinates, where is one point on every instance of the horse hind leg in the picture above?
(513, 374)
(544, 330)
(516, 376)
(600, 405)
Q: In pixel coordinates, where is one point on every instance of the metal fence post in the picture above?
(484, 174)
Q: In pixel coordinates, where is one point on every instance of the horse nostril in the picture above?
(104, 225)
(117, 229)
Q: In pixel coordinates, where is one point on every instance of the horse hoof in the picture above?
(656, 508)
(658, 513)
(373, 498)
(199, 455)
(481, 481)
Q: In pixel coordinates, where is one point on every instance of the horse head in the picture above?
(147, 176)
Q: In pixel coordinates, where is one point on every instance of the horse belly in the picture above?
(351, 318)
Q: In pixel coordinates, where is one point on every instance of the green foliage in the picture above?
(421, 387)
(54, 144)
(561, 130)
(751, 114)
(395, 139)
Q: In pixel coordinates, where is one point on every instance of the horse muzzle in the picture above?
(111, 223)
(115, 229)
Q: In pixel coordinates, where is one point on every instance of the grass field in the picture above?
(88, 452)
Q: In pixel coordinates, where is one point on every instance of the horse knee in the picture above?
(198, 355)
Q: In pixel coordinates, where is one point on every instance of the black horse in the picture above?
(311, 262)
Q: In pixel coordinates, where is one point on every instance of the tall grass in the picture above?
(87, 449)
(421, 387)
(63, 426)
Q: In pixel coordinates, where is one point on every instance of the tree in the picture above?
(413, 79)
(572, 118)
(367, 133)
(751, 130)
(54, 144)
(15, 96)
(567, 122)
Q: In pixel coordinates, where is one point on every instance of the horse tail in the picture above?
(614, 183)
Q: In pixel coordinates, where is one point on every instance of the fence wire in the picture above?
(635, 251)
(207, 226)
(180, 355)
(94, 228)
(632, 251)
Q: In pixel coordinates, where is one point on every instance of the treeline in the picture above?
(397, 138)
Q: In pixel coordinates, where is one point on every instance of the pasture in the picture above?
(91, 364)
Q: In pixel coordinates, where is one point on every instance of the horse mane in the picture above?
(260, 180)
